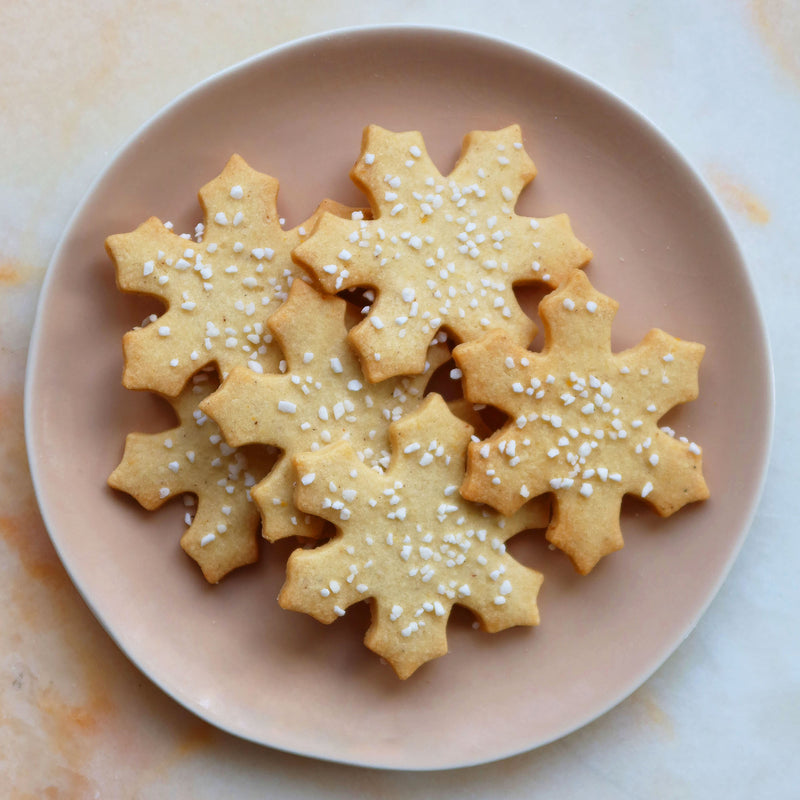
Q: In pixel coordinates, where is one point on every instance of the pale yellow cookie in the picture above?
(442, 252)
(409, 543)
(321, 396)
(219, 292)
(193, 458)
(583, 422)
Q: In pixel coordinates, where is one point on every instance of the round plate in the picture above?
(228, 652)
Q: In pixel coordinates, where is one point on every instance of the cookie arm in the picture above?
(161, 484)
(490, 479)
(332, 259)
(382, 354)
(557, 252)
(150, 360)
(274, 498)
(483, 365)
(135, 257)
(586, 528)
(220, 542)
(508, 601)
(245, 405)
(385, 637)
(386, 153)
(668, 366)
(678, 476)
(314, 583)
(239, 187)
(499, 156)
(317, 583)
(301, 342)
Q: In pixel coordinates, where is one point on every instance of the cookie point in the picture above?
(577, 294)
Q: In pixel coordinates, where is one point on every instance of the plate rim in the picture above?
(35, 347)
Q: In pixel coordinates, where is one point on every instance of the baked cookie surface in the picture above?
(193, 459)
(409, 543)
(218, 292)
(321, 397)
(583, 422)
(442, 252)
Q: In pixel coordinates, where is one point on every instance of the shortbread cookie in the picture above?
(409, 543)
(583, 422)
(219, 292)
(321, 396)
(442, 252)
(192, 458)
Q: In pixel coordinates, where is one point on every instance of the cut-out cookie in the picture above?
(583, 422)
(220, 292)
(442, 252)
(321, 397)
(193, 458)
(409, 543)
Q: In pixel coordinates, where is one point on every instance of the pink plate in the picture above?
(228, 652)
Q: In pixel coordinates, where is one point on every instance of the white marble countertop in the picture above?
(721, 718)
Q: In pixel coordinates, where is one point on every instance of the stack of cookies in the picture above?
(298, 407)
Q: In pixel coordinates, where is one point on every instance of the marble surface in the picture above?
(720, 719)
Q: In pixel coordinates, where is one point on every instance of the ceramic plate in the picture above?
(227, 652)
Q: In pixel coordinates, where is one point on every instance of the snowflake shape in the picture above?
(583, 422)
(193, 458)
(409, 542)
(218, 292)
(320, 397)
(443, 252)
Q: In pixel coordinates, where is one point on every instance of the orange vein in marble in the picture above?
(13, 273)
(738, 198)
(778, 24)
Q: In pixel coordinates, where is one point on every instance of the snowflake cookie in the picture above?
(220, 291)
(320, 396)
(442, 252)
(192, 458)
(583, 422)
(407, 541)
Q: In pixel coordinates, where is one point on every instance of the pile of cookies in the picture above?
(298, 406)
